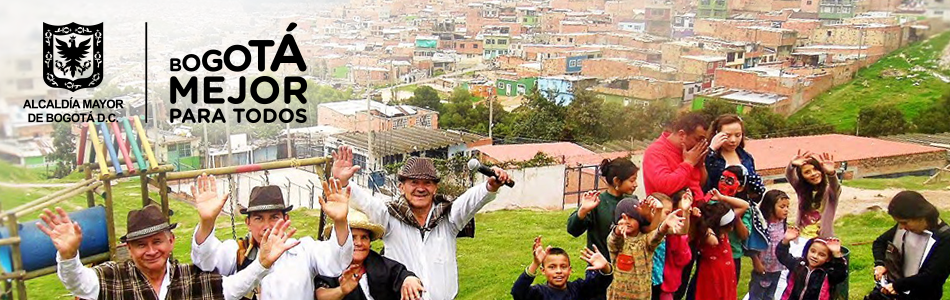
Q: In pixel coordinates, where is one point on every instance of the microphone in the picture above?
(474, 165)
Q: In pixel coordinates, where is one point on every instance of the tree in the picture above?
(425, 97)
(764, 123)
(64, 149)
(809, 125)
(879, 120)
(540, 118)
(586, 122)
(714, 108)
(935, 119)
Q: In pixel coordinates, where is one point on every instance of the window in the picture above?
(572, 63)
(489, 42)
(524, 20)
(462, 46)
(425, 121)
(740, 55)
(501, 85)
(508, 88)
(808, 2)
(829, 33)
(399, 123)
(522, 89)
(474, 46)
(24, 84)
(730, 57)
(502, 42)
(570, 40)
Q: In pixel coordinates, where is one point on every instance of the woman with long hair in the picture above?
(815, 181)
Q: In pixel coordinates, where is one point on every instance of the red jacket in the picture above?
(664, 170)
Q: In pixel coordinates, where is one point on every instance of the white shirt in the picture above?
(364, 285)
(293, 272)
(83, 282)
(915, 247)
(432, 257)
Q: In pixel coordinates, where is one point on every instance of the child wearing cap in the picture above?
(632, 244)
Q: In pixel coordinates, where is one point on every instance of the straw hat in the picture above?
(359, 220)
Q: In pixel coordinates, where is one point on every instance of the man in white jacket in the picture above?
(292, 275)
(421, 225)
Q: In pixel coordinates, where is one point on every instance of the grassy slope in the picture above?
(840, 106)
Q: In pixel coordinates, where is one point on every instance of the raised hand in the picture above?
(717, 141)
(539, 251)
(590, 201)
(791, 233)
(673, 222)
(207, 200)
(716, 195)
(274, 243)
(495, 183)
(686, 202)
(65, 233)
(343, 168)
(351, 279)
(336, 203)
(800, 158)
(827, 162)
(595, 259)
(412, 289)
(834, 244)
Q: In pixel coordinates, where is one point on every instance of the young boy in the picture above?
(631, 245)
(556, 266)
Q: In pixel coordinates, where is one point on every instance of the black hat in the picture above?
(146, 222)
(418, 168)
(264, 198)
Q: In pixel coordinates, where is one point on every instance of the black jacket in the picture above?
(929, 281)
(385, 278)
(836, 271)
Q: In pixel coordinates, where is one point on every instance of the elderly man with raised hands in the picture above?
(150, 275)
(292, 274)
(420, 225)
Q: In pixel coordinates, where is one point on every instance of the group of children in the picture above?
(653, 242)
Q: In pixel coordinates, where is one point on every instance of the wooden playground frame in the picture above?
(147, 168)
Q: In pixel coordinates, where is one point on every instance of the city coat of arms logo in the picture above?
(72, 56)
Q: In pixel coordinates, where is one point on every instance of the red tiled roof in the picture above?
(776, 153)
(522, 152)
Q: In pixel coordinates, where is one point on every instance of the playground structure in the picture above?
(103, 149)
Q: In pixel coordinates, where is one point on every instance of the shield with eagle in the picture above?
(72, 56)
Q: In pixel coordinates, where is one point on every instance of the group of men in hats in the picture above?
(418, 230)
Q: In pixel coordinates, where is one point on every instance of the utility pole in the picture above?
(370, 157)
(227, 131)
(491, 115)
(287, 136)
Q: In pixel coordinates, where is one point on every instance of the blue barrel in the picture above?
(37, 249)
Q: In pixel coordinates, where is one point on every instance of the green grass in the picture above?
(907, 182)
(408, 88)
(15, 174)
(841, 104)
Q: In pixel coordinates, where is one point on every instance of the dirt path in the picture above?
(856, 201)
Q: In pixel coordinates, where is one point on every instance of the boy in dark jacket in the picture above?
(924, 243)
(556, 266)
(820, 268)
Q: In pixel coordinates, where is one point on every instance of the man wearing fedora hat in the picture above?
(150, 275)
(421, 225)
(370, 276)
(294, 272)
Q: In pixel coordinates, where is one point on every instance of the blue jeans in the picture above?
(762, 286)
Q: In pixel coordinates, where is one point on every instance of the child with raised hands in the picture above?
(632, 244)
(821, 267)
(555, 264)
